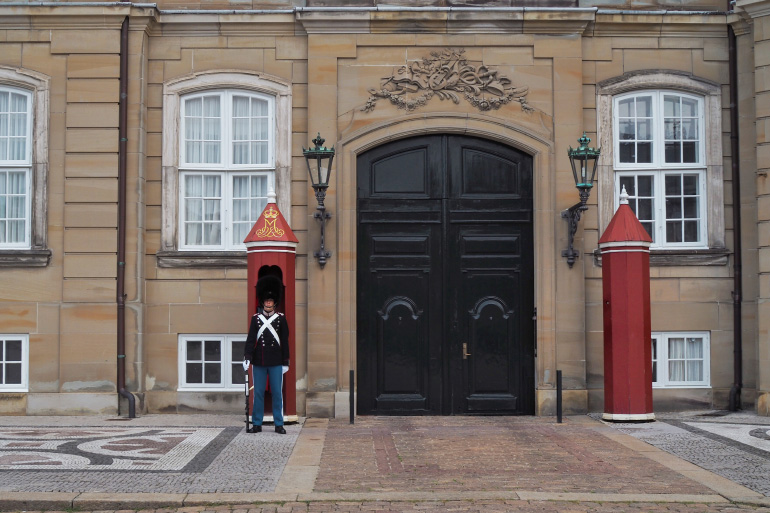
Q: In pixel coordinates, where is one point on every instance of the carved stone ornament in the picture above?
(446, 74)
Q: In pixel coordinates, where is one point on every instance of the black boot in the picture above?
(255, 429)
(280, 430)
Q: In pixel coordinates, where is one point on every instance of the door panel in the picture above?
(445, 269)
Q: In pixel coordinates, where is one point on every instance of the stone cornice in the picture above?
(446, 20)
(754, 8)
(659, 24)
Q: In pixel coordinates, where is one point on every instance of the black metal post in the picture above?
(352, 397)
(558, 396)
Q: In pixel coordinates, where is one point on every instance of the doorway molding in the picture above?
(535, 143)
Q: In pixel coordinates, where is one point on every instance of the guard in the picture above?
(267, 350)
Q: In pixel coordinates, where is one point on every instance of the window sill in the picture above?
(25, 257)
(217, 390)
(679, 257)
(201, 259)
(678, 387)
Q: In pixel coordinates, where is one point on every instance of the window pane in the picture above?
(691, 231)
(194, 350)
(673, 208)
(676, 348)
(690, 129)
(644, 210)
(694, 371)
(689, 152)
(13, 374)
(644, 153)
(12, 351)
(193, 235)
(644, 130)
(672, 129)
(213, 373)
(673, 185)
(213, 351)
(644, 106)
(627, 130)
(193, 186)
(676, 370)
(2, 374)
(673, 152)
(193, 210)
(694, 347)
(211, 106)
(237, 376)
(673, 231)
(194, 372)
(690, 208)
(645, 185)
(690, 184)
(212, 235)
(690, 107)
(212, 186)
(627, 152)
(671, 106)
(626, 108)
(211, 209)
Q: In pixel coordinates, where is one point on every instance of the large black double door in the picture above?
(445, 278)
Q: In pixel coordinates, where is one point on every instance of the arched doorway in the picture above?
(445, 277)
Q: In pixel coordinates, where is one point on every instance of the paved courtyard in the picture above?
(692, 462)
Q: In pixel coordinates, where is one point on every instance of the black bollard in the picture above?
(558, 396)
(352, 396)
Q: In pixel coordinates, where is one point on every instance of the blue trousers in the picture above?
(261, 374)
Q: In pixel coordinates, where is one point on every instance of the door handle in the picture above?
(466, 354)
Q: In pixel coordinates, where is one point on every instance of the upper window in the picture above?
(211, 362)
(226, 145)
(660, 132)
(680, 359)
(659, 160)
(227, 140)
(14, 358)
(15, 167)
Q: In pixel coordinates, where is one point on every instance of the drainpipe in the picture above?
(734, 402)
(121, 296)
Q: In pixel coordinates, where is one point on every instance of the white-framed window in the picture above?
(680, 359)
(227, 123)
(226, 166)
(14, 363)
(659, 158)
(15, 167)
(211, 362)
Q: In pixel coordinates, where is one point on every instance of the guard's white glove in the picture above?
(246, 365)
(285, 369)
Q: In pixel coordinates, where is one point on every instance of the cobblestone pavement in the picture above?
(91, 454)
(208, 464)
(733, 445)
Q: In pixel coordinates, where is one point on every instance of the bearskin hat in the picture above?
(269, 287)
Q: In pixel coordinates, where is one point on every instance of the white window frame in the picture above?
(659, 169)
(226, 210)
(23, 165)
(33, 252)
(658, 131)
(711, 165)
(659, 206)
(24, 385)
(171, 253)
(226, 363)
(226, 167)
(662, 341)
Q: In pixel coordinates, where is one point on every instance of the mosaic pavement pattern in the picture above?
(734, 446)
(163, 459)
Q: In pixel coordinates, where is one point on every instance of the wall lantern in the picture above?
(583, 160)
(319, 165)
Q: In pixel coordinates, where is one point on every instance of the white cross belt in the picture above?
(267, 325)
